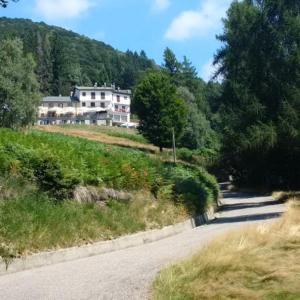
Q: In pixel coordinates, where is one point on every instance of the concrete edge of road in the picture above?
(63, 255)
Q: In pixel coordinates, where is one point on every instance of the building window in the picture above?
(83, 104)
(93, 95)
(70, 105)
(116, 107)
(102, 105)
(51, 105)
(83, 94)
(102, 95)
(117, 118)
(118, 98)
(124, 118)
(93, 104)
(125, 97)
(123, 108)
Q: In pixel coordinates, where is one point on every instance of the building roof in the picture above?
(104, 88)
(57, 99)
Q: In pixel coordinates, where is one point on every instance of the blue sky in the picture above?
(187, 27)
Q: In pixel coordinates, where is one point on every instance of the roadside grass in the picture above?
(40, 173)
(260, 262)
(33, 222)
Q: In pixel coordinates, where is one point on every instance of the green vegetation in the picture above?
(40, 173)
(259, 106)
(159, 109)
(19, 96)
(255, 263)
(65, 58)
(126, 133)
(31, 221)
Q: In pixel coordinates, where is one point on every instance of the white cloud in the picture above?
(209, 70)
(62, 9)
(160, 5)
(200, 22)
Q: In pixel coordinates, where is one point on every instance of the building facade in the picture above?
(87, 105)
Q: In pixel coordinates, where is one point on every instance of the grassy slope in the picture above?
(112, 136)
(31, 220)
(257, 263)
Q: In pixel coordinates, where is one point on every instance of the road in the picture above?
(128, 274)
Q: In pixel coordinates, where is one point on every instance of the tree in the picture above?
(19, 95)
(197, 133)
(4, 3)
(159, 108)
(260, 63)
(170, 61)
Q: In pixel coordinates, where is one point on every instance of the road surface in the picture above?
(128, 274)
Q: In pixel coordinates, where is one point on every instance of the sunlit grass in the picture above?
(260, 262)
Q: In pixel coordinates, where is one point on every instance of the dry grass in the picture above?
(99, 137)
(261, 262)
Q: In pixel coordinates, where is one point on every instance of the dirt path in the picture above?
(128, 274)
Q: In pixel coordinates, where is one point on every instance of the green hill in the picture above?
(65, 58)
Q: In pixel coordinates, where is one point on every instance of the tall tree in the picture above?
(159, 108)
(197, 132)
(19, 95)
(260, 63)
(170, 61)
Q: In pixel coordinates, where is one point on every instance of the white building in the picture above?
(87, 105)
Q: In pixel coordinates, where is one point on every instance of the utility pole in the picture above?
(174, 145)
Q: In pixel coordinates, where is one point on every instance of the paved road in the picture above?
(128, 274)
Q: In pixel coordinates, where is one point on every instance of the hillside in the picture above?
(65, 58)
(69, 190)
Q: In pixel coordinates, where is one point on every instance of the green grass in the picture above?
(260, 262)
(126, 133)
(31, 221)
(40, 172)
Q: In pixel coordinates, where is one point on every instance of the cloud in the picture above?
(161, 5)
(209, 70)
(62, 9)
(200, 22)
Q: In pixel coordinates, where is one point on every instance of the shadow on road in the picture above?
(245, 218)
(245, 205)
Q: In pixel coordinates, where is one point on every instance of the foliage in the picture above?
(197, 133)
(57, 163)
(65, 58)
(34, 222)
(260, 63)
(159, 108)
(18, 86)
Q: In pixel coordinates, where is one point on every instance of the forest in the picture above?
(65, 58)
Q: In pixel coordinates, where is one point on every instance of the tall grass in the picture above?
(39, 172)
(125, 133)
(33, 222)
(260, 262)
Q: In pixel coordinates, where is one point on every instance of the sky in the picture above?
(188, 27)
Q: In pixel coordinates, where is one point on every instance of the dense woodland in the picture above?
(65, 58)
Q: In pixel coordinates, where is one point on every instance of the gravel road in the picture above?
(128, 274)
